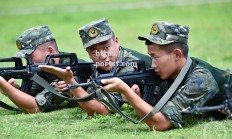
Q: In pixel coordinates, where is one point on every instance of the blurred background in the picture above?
(210, 36)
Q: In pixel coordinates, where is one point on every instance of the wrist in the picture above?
(70, 81)
(125, 89)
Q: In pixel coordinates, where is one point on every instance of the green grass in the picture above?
(209, 38)
(73, 123)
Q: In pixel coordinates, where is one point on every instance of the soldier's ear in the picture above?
(178, 53)
(51, 50)
(116, 39)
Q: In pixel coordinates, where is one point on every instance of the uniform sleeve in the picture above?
(43, 101)
(47, 101)
(35, 89)
(199, 88)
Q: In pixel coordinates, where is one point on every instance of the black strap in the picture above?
(104, 96)
(101, 94)
(47, 86)
(8, 107)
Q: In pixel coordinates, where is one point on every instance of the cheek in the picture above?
(114, 54)
(165, 67)
(38, 57)
(169, 68)
(113, 58)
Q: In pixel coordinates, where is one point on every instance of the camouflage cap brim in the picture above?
(23, 53)
(98, 40)
(155, 39)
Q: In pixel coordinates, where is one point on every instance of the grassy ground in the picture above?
(209, 39)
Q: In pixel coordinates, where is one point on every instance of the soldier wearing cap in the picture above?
(34, 44)
(105, 51)
(167, 45)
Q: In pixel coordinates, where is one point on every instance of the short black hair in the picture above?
(170, 47)
(55, 45)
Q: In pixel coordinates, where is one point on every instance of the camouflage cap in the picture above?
(28, 41)
(95, 32)
(164, 33)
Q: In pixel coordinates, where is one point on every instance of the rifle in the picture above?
(141, 76)
(145, 78)
(226, 106)
(80, 69)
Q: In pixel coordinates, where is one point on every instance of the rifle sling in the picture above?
(104, 96)
(8, 107)
(101, 94)
(170, 91)
(50, 88)
(110, 103)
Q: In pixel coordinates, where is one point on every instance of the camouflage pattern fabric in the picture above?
(31, 38)
(46, 100)
(95, 32)
(123, 56)
(165, 33)
(199, 87)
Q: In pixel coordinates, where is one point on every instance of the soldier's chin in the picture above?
(106, 68)
(163, 77)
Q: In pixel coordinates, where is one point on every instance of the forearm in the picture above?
(91, 106)
(24, 101)
(157, 122)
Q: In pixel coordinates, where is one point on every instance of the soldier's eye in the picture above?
(107, 47)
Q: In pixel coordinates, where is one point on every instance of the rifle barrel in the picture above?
(209, 108)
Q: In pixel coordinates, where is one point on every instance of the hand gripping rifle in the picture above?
(146, 78)
(226, 106)
(141, 76)
(82, 70)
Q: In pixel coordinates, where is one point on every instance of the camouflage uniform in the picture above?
(202, 85)
(100, 31)
(27, 42)
(46, 100)
(124, 56)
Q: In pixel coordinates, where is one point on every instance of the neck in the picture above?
(180, 65)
